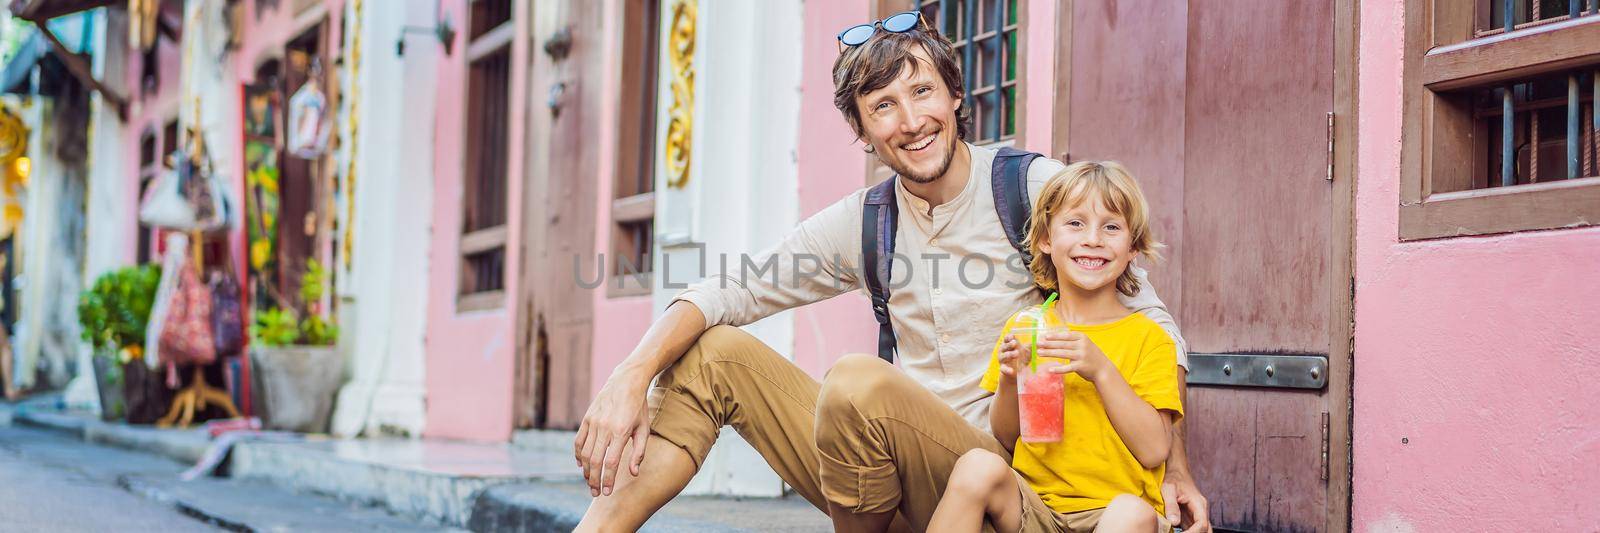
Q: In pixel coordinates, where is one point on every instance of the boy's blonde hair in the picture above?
(1116, 189)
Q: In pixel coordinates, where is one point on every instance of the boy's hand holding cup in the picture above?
(1081, 354)
(1013, 353)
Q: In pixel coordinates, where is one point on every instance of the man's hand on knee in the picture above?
(618, 414)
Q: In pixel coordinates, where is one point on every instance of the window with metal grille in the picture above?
(985, 35)
(487, 152)
(1500, 117)
(633, 193)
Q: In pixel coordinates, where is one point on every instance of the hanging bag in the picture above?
(165, 205)
(188, 198)
(227, 313)
(172, 262)
(187, 337)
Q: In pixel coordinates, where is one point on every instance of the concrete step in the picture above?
(432, 480)
(557, 506)
(255, 506)
(186, 445)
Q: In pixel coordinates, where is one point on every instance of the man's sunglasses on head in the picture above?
(897, 23)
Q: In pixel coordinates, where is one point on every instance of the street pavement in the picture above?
(50, 483)
(53, 482)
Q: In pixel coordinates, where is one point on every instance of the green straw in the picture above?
(1033, 358)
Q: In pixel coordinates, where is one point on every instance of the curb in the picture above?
(501, 509)
(538, 507)
(185, 446)
(68, 424)
(434, 496)
(148, 492)
(555, 506)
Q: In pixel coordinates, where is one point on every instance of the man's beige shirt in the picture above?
(947, 304)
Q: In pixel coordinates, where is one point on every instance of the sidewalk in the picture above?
(528, 485)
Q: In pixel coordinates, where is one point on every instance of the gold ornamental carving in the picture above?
(347, 243)
(680, 117)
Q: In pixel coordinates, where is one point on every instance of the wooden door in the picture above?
(1221, 110)
(554, 316)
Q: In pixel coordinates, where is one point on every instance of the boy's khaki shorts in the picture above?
(1040, 518)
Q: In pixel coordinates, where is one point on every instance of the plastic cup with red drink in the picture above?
(1040, 394)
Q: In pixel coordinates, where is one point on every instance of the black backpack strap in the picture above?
(1009, 180)
(879, 220)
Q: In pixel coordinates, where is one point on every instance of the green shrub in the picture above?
(282, 327)
(115, 310)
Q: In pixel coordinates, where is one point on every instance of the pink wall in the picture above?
(1039, 89)
(470, 354)
(267, 29)
(831, 165)
(1478, 352)
(148, 111)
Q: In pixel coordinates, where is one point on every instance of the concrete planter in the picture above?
(295, 386)
(108, 381)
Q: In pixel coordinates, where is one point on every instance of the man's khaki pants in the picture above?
(867, 438)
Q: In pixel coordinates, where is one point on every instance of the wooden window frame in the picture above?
(636, 148)
(1446, 51)
(499, 39)
(877, 171)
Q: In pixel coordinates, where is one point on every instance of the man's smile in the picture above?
(921, 144)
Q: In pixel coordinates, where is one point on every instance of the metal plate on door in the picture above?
(1246, 370)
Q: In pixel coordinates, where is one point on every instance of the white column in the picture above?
(49, 243)
(112, 233)
(383, 301)
(742, 192)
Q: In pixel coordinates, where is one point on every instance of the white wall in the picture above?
(383, 298)
(111, 234)
(742, 191)
(50, 243)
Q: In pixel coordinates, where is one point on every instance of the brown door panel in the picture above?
(1222, 451)
(1220, 109)
(1127, 106)
(1256, 204)
(1257, 455)
(1290, 490)
(555, 325)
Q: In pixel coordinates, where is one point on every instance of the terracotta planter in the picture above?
(294, 386)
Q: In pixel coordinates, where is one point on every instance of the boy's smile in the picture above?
(1089, 245)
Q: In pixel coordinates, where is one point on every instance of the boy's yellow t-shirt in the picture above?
(1091, 465)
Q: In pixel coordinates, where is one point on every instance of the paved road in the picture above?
(51, 483)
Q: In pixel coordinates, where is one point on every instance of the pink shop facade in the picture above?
(1302, 187)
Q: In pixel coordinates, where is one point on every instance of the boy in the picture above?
(1120, 377)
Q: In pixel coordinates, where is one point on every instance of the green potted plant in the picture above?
(113, 314)
(296, 369)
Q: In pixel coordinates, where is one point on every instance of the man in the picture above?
(873, 444)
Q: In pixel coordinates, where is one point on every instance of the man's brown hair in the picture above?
(874, 64)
